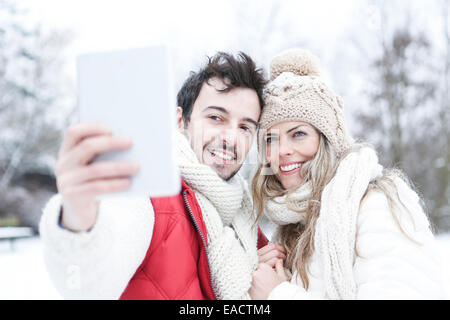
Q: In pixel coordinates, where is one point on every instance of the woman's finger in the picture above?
(268, 247)
(272, 254)
(271, 246)
(278, 246)
(272, 262)
(279, 269)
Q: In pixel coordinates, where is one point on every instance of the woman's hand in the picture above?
(265, 279)
(271, 253)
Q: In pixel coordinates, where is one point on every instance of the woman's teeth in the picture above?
(290, 167)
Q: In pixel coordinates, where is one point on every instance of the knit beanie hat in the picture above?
(296, 93)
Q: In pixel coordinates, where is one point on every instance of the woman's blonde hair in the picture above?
(298, 239)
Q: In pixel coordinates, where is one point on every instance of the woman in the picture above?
(351, 229)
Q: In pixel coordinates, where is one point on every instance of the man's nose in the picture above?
(228, 137)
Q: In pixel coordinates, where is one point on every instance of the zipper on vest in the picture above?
(200, 233)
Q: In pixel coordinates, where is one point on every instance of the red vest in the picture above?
(176, 266)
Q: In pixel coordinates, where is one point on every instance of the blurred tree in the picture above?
(407, 117)
(31, 114)
(400, 89)
(443, 140)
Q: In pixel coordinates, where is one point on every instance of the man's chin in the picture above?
(224, 171)
(225, 174)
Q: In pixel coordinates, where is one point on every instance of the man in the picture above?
(199, 244)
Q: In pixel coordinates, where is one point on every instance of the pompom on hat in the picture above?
(297, 61)
(296, 93)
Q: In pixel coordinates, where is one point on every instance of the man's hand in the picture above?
(271, 253)
(265, 279)
(79, 181)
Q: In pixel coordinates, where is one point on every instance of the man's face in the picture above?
(222, 126)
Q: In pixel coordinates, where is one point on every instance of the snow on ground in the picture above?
(23, 274)
(22, 271)
(444, 244)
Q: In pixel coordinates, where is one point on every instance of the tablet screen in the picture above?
(131, 93)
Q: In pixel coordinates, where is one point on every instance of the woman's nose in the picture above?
(284, 148)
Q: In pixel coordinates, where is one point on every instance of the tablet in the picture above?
(131, 93)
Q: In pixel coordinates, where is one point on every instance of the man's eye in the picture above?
(215, 118)
(245, 128)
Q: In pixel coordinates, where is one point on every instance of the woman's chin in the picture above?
(290, 183)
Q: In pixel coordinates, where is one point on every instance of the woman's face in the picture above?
(289, 146)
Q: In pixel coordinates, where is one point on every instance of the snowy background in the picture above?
(388, 59)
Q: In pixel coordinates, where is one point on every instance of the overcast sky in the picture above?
(196, 26)
(101, 24)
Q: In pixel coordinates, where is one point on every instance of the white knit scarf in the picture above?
(335, 235)
(291, 208)
(227, 212)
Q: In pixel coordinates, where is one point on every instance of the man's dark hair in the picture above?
(239, 72)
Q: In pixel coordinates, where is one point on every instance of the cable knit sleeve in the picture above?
(97, 264)
(388, 264)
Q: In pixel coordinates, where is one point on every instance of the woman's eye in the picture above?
(245, 128)
(299, 134)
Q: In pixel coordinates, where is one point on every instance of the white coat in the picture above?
(388, 264)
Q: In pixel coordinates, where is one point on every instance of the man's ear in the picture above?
(180, 122)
